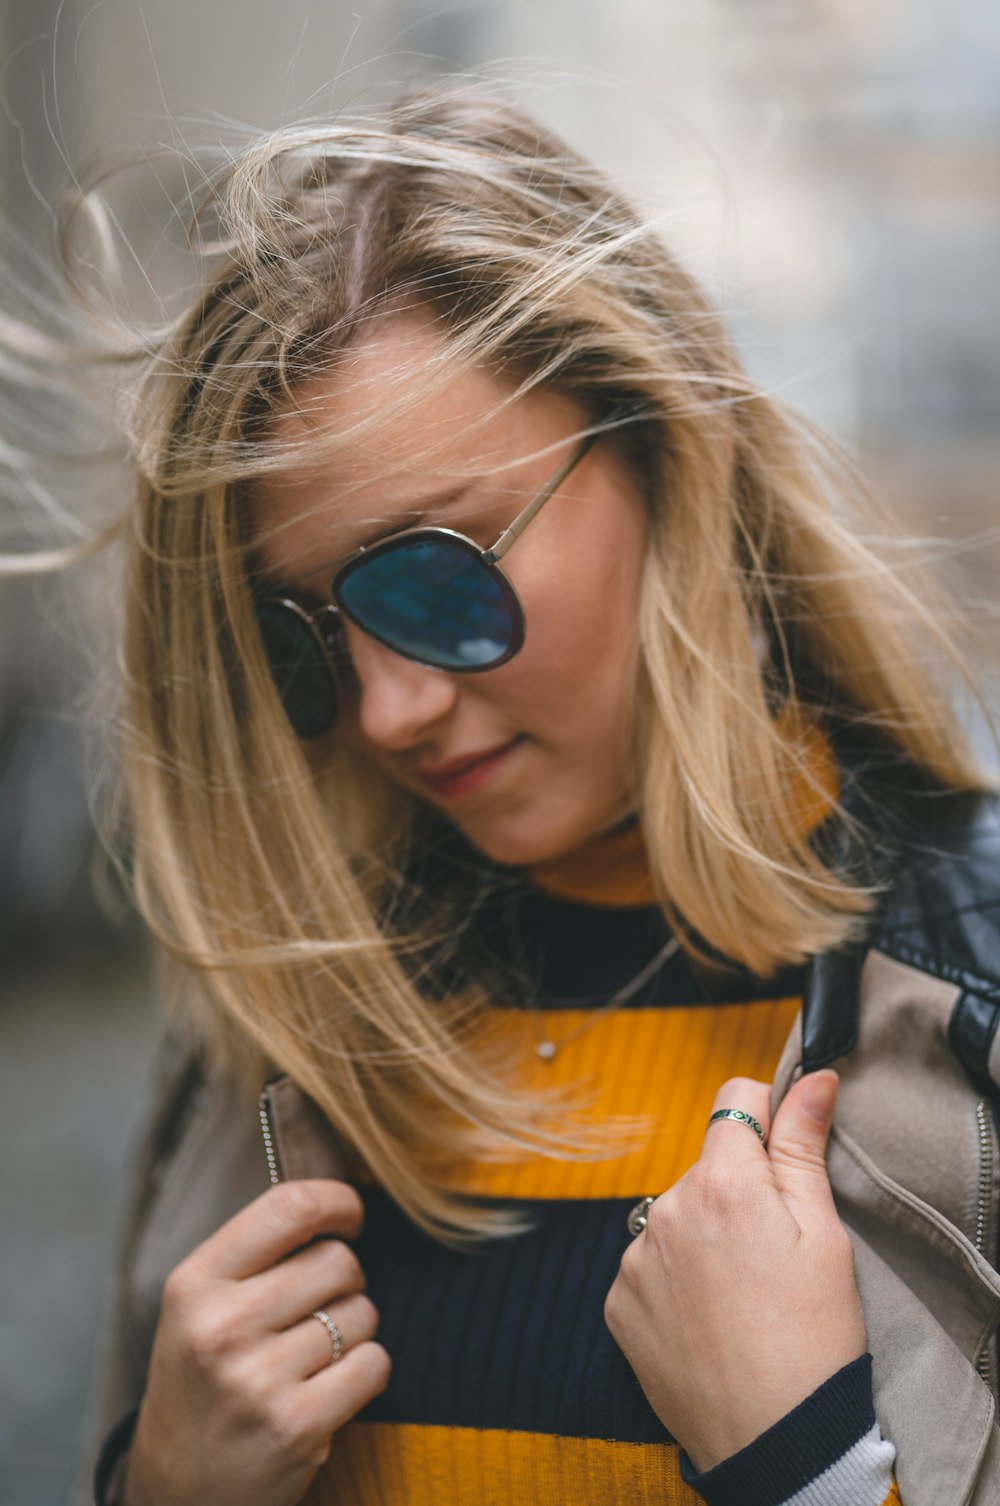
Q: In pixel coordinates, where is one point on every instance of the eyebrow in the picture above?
(413, 517)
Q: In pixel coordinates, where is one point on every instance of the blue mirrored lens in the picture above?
(299, 669)
(434, 601)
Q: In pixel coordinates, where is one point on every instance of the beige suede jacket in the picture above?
(909, 1020)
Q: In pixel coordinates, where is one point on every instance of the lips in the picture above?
(457, 774)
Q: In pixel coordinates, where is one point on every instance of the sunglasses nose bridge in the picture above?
(328, 622)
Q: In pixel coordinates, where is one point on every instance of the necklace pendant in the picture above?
(546, 1050)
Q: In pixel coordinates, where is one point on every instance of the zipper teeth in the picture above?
(268, 1138)
(983, 1365)
(985, 1174)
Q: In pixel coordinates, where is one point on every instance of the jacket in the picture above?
(907, 1015)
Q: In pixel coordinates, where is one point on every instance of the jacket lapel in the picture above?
(304, 1142)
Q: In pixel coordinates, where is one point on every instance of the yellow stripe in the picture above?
(412, 1465)
(893, 1498)
(665, 1064)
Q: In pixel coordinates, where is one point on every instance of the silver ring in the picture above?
(742, 1117)
(336, 1337)
(639, 1216)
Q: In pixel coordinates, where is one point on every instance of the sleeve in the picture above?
(120, 1369)
(826, 1451)
(200, 1161)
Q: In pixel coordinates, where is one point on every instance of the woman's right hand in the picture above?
(241, 1400)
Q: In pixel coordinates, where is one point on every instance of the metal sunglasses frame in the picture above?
(324, 624)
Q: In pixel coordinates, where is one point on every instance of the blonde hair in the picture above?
(272, 868)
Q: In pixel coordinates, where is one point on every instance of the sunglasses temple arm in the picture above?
(534, 507)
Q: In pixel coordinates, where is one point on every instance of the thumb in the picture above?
(798, 1140)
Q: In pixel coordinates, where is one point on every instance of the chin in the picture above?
(520, 841)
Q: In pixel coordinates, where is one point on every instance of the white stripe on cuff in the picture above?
(862, 1476)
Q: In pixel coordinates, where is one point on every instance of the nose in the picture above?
(398, 699)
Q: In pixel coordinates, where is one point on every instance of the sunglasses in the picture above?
(430, 594)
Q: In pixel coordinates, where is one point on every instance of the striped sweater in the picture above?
(507, 1388)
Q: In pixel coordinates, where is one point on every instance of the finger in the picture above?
(304, 1281)
(730, 1140)
(798, 1142)
(335, 1393)
(278, 1222)
(307, 1346)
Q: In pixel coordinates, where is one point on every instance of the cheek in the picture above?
(578, 659)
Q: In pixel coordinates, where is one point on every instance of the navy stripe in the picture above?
(509, 1336)
(526, 945)
(569, 955)
(804, 1443)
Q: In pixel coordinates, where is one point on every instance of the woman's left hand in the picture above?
(738, 1299)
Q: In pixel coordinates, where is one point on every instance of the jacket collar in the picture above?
(863, 840)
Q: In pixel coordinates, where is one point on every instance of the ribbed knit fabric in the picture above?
(507, 1388)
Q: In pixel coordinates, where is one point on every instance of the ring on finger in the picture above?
(336, 1337)
(742, 1117)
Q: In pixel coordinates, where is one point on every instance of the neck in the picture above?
(610, 869)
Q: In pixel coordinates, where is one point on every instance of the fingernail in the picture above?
(820, 1094)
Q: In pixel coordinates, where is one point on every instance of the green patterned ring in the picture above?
(743, 1117)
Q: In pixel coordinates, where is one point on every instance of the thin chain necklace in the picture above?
(546, 1048)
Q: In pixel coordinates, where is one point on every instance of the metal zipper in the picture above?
(983, 1363)
(267, 1133)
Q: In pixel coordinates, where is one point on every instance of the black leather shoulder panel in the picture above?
(936, 860)
(971, 1031)
(942, 914)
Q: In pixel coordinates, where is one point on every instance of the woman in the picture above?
(539, 786)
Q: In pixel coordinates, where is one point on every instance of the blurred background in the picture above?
(829, 167)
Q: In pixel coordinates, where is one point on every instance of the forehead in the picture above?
(446, 434)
